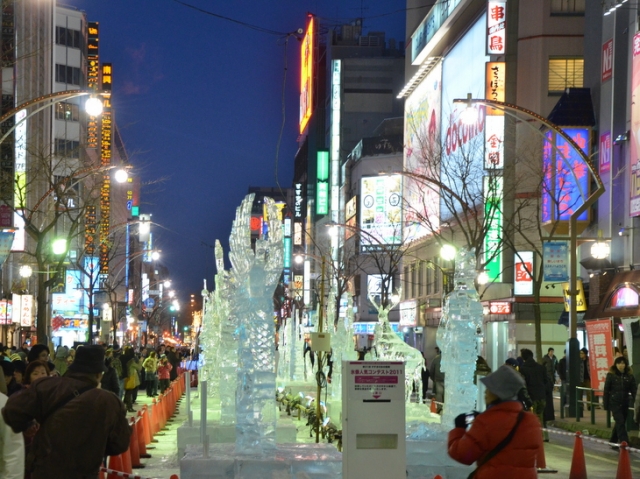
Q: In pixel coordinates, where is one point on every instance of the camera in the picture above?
(469, 418)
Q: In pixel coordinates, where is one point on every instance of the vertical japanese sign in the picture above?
(555, 257)
(600, 350)
(105, 161)
(496, 27)
(634, 207)
(493, 188)
(322, 183)
(93, 77)
(607, 60)
(605, 152)
(494, 126)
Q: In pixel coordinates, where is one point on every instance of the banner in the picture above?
(600, 351)
(634, 166)
(6, 240)
(555, 261)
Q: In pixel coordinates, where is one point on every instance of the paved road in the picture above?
(601, 460)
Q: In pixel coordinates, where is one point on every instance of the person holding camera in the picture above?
(504, 440)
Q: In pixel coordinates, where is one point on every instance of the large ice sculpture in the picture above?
(340, 343)
(255, 275)
(458, 334)
(391, 348)
(210, 343)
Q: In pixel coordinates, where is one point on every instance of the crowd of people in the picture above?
(41, 397)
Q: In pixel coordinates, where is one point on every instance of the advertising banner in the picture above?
(555, 261)
(6, 312)
(422, 131)
(634, 208)
(24, 309)
(607, 60)
(6, 240)
(380, 211)
(600, 351)
(496, 27)
(523, 279)
(605, 152)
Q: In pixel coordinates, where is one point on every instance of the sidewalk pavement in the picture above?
(598, 427)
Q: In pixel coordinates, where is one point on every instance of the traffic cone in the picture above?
(134, 447)
(126, 462)
(578, 465)
(115, 464)
(624, 464)
(437, 476)
(174, 476)
(142, 449)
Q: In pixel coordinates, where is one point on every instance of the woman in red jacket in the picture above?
(504, 414)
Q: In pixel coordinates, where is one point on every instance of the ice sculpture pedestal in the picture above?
(226, 433)
(426, 458)
(291, 461)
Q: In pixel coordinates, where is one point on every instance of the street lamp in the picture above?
(588, 200)
(25, 271)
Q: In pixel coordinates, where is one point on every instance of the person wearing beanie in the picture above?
(476, 435)
(80, 423)
(60, 360)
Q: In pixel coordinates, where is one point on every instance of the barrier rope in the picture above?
(588, 438)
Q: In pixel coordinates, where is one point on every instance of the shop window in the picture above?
(624, 297)
(565, 72)
(567, 7)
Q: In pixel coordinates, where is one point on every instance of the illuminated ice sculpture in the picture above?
(255, 275)
(458, 335)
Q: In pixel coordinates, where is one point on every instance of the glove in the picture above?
(461, 420)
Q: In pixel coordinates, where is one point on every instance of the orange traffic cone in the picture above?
(134, 447)
(115, 464)
(624, 464)
(578, 466)
(142, 447)
(126, 462)
(434, 407)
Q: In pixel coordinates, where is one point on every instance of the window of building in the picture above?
(67, 111)
(565, 72)
(624, 297)
(68, 37)
(67, 148)
(67, 74)
(436, 275)
(567, 7)
(414, 279)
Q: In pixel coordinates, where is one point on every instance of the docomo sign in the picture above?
(459, 133)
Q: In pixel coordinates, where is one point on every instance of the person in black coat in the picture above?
(535, 376)
(109, 381)
(618, 385)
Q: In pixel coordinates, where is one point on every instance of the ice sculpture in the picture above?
(255, 275)
(296, 348)
(458, 334)
(340, 343)
(391, 348)
(210, 343)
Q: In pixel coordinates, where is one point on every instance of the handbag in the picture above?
(130, 382)
(498, 448)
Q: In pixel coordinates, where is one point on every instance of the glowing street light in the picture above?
(93, 106)
(25, 271)
(448, 252)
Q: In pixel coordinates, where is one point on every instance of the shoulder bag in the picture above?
(481, 462)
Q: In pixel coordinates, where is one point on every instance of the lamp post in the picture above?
(572, 344)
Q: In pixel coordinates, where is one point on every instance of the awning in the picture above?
(602, 310)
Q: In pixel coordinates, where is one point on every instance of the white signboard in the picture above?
(496, 27)
(522, 278)
(375, 380)
(408, 313)
(380, 211)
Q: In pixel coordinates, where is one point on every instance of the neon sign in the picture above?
(306, 76)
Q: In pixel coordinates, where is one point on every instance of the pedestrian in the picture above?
(131, 368)
(550, 362)
(561, 369)
(504, 440)
(35, 370)
(164, 370)
(174, 360)
(60, 360)
(535, 376)
(523, 394)
(79, 422)
(109, 381)
(618, 385)
(11, 449)
(424, 376)
(437, 377)
(150, 366)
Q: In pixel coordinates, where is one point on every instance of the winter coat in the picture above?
(133, 368)
(164, 371)
(535, 375)
(617, 387)
(74, 437)
(11, 449)
(150, 366)
(561, 368)
(550, 365)
(110, 381)
(516, 460)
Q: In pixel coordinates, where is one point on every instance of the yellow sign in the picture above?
(495, 85)
(306, 76)
(581, 301)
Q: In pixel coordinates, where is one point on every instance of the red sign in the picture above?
(605, 152)
(607, 60)
(6, 216)
(600, 351)
(500, 307)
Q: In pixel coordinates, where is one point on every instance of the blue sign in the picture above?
(149, 303)
(555, 261)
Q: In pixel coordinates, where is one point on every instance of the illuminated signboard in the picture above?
(90, 221)
(306, 76)
(499, 307)
(322, 185)
(93, 74)
(494, 121)
(421, 133)
(493, 187)
(634, 164)
(24, 309)
(607, 60)
(496, 27)
(380, 211)
(287, 227)
(605, 152)
(20, 170)
(566, 178)
(336, 66)
(19, 240)
(351, 208)
(298, 207)
(408, 313)
(105, 155)
(523, 279)
(287, 252)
